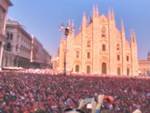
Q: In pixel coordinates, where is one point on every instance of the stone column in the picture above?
(1, 54)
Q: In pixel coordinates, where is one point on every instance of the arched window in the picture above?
(118, 57)
(118, 71)
(88, 69)
(128, 71)
(88, 55)
(88, 43)
(7, 35)
(103, 32)
(118, 47)
(8, 47)
(127, 58)
(77, 68)
(6, 61)
(103, 47)
(77, 54)
(104, 68)
(11, 36)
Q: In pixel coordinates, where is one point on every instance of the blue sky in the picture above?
(43, 18)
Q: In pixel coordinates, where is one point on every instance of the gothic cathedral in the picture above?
(99, 48)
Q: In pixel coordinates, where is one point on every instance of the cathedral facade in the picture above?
(99, 48)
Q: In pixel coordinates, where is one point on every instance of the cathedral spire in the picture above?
(94, 11)
(84, 21)
(133, 37)
(71, 25)
(122, 28)
(109, 14)
(112, 15)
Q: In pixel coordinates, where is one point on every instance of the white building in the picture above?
(4, 4)
(17, 46)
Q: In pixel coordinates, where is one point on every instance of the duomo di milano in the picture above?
(99, 48)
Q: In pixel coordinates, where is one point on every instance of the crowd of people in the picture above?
(30, 93)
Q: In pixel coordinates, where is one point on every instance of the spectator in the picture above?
(23, 92)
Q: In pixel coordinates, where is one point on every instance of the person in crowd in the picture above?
(23, 92)
(97, 102)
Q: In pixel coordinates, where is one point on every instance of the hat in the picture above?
(137, 111)
(70, 110)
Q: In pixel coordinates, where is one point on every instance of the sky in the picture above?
(43, 18)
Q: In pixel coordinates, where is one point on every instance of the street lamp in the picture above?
(66, 30)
